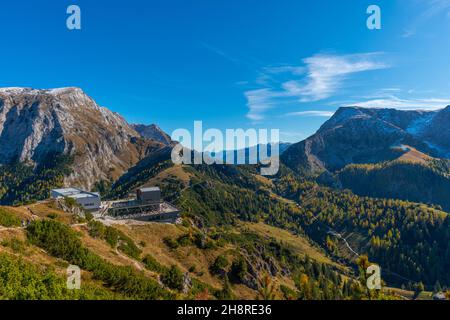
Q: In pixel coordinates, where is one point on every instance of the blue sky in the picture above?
(232, 64)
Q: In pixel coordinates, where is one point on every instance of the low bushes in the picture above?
(9, 219)
(115, 238)
(62, 242)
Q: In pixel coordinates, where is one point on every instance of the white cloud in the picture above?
(285, 69)
(312, 113)
(320, 77)
(258, 101)
(326, 74)
(404, 104)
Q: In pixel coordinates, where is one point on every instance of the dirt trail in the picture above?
(134, 262)
(11, 228)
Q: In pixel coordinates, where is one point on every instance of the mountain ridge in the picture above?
(365, 135)
(386, 153)
(154, 132)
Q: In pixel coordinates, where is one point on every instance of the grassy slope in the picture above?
(37, 257)
(150, 239)
(299, 245)
(152, 234)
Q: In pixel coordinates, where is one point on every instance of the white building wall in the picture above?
(90, 203)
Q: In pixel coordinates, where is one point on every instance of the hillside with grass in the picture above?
(161, 261)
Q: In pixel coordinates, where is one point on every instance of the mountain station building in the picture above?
(90, 201)
(147, 205)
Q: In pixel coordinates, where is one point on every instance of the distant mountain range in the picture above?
(375, 152)
(249, 152)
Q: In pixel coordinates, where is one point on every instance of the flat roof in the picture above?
(146, 189)
(75, 193)
(67, 191)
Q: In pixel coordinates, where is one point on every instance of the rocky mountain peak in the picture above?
(153, 132)
(363, 135)
(344, 114)
(31, 91)
(36, 123)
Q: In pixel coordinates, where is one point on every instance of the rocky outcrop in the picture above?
(152, 132)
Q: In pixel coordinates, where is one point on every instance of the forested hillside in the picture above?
(405, 238)
(419, 182)
(22, 183)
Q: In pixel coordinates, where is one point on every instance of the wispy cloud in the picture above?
(429, 9)
(318, 78)
(259, 101)
(220, 52)
(404, 104)
(312, 113)
(435, 7)
(326, 74)
(408, 33)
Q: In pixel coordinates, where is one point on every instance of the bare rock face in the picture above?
(152, 132)
(37, 123)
